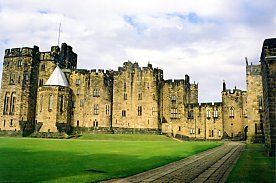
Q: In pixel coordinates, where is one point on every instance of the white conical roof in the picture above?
(57, 78)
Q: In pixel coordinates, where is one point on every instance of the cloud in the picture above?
(207, 39)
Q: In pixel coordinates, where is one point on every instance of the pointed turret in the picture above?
(57, 78)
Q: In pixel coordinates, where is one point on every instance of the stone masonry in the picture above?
(132, 99)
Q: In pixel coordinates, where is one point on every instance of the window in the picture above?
(139, 110)
(95, 123)
(41, 102)
(96, 93)
(96, 109)
(61, 103)
(198, 131)
(179, 128)
(42, 67)
(78, 91)
(41, 82)
(81, 103)
(174, 113)
(6, 103)
(191, 114)
(107, 110)
(123, 113)
(124, 87)
(4, 123)
(78, 123)
(50, 103)
(231, 115)
(173, 99)
(140, 96)
(208, 114)
(219, 133)
(154, 111)
(215, 113)
(12, 103)
(19, 79)
(11, 123)
(192, 131)
(19, 63)
(77, 82)
(125, 96)
(12, 78)
(26, 77)
(260, 103)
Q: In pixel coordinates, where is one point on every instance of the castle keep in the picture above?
(45, 93)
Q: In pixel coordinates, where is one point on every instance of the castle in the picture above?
(45, 93)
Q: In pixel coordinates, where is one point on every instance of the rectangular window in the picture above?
(124, 87)
(154, 111)
(96, 92)
(219, 133)
(81, 102)
(125, 96)
(107, 110)
(231, 112)
(96, 109)
(173, 99)
(215, 113)
(123, 113)
(78, 91)
(208, 114)
(19, 63)
(191, 114)
(42, 68)
(173, 113)
(77, 82)
(140, 96)
(50, 104)
(198, 131)
(139, 110)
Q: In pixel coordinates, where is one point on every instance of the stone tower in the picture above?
(54, 104)
(19, 89)
(254, 104)
(232, 111)
(268, 62)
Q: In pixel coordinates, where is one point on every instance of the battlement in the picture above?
(236, 92)
(18, 52)
(269, 50)
(48, 56)
(175, 82)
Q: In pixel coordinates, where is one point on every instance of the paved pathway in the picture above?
(213, 165)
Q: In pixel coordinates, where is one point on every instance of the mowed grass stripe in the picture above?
(43, 160)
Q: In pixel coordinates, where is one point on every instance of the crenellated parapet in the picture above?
(19, 52)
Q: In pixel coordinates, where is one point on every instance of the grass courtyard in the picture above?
(254, 166)
(89, 158)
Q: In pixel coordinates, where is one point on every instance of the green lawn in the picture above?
(73, 160)
(254, 166)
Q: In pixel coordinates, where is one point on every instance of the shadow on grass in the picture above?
(17, 165)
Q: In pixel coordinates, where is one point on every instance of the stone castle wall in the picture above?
(130, 100)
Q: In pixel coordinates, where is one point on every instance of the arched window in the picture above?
(12, 103)
(6, 103)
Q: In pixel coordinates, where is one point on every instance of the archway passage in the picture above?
(245, 132)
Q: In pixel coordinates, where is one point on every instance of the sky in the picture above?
(206, 39)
